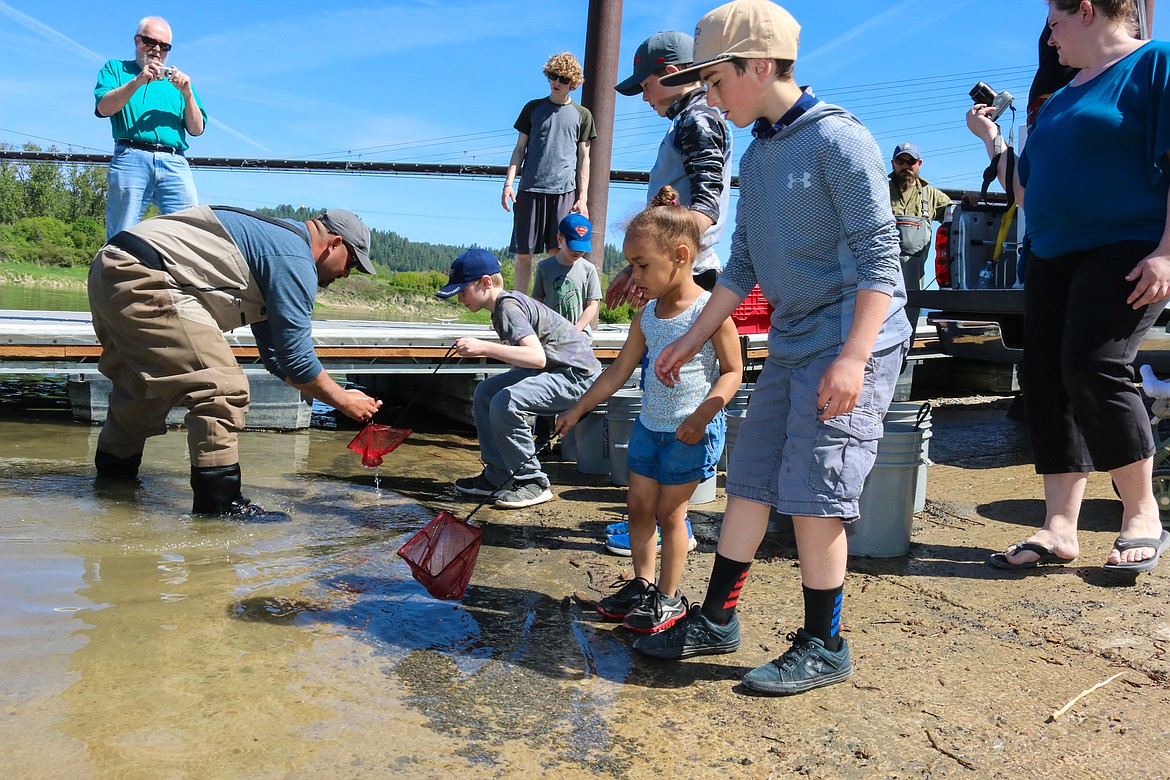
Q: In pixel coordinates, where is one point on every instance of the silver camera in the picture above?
(167, 71)
(999, 101)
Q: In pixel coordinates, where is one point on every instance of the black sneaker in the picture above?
(692, 635)
(657, 612)
(630, 595)
(806, 665)
(479, 485)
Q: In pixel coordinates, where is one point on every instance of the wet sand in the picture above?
(139, 642)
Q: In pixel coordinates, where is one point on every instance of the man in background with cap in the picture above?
(162, 295)
(814, 229)
(694, 157)
(152, 109)
(915, 204)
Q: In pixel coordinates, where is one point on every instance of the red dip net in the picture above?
(374, 441)
(442, 555)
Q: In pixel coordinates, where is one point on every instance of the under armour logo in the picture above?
(804, 179)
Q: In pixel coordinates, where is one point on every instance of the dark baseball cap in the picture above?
(353, 232)
(471, 266)
(655, 53)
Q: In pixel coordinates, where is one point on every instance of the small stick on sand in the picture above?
(1052, 718)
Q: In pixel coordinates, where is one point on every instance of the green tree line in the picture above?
(54, 215)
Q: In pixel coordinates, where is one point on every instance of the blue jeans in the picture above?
(138, 177)
(501, 402)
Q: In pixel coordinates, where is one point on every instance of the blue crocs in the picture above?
(618, 542)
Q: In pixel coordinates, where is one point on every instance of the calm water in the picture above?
(136, 641)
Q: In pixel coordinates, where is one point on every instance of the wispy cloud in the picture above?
(49, 34)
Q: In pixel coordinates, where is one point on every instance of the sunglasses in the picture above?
(352, 262)
(563, 79)
(905, 161)
(150, 43)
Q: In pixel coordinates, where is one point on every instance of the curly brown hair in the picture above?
(666, 221)
(565, 64)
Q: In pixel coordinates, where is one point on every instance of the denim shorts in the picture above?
(786, 457)
(666, 460)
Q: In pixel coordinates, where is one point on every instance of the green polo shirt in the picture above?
(154, 113)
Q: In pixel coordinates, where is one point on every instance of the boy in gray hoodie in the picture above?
(814, 229)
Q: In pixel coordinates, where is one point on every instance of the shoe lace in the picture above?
(621, 584)
(793, 655)
(658, 598)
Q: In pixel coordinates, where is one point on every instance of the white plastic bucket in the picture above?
(589, 433)
(914, 413)
(704, 491)
(621, 412)
(886, 507)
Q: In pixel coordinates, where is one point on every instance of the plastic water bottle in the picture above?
(985, 275)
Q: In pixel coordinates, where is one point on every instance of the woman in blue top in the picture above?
(1094, 183)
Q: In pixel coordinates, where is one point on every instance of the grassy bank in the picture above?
(369, 296)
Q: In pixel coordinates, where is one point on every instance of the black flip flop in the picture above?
(1159, 546)
(1000, 559)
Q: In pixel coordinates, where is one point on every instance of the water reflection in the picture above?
(136, 636)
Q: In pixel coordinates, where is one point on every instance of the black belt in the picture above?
(137, 248)
(148, 147)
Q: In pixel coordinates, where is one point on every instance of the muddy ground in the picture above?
(959, 667)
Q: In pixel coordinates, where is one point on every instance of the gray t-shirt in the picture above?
(517, 316)
(550, 160)
(566, 289)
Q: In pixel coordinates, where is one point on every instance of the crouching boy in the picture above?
(554, 366)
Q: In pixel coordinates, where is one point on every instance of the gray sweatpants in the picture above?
(501, 403)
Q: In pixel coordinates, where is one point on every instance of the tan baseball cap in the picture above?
(752, 29)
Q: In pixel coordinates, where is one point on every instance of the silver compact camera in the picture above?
(167, 71)
(999, 101)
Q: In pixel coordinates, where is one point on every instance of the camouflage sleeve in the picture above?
(703, 142)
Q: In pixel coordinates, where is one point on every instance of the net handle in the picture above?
(418, 390)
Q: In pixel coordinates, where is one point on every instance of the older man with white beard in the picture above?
(916, 204)
(152, 108)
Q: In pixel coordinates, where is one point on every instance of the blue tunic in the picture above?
(1094, 167)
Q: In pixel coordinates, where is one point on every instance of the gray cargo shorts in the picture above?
(787, 458)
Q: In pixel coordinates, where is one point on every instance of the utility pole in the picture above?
(602, 40)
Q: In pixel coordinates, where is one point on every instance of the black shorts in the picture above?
(536, 216)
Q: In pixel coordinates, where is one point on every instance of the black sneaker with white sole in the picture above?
(479, 485)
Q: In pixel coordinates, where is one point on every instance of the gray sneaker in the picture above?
(524, 494)
(806, 665)
(692, 635)
(657, 612)
(479, 485)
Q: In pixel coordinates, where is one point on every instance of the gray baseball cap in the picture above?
(354, 232)
(655, 53)
(907, 148)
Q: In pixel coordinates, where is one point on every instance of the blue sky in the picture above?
(443, 81)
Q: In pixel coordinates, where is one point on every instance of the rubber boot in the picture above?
(216, 491)
(112, 467)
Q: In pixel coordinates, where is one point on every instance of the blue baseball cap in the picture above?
(471, 266)
(578, 233)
